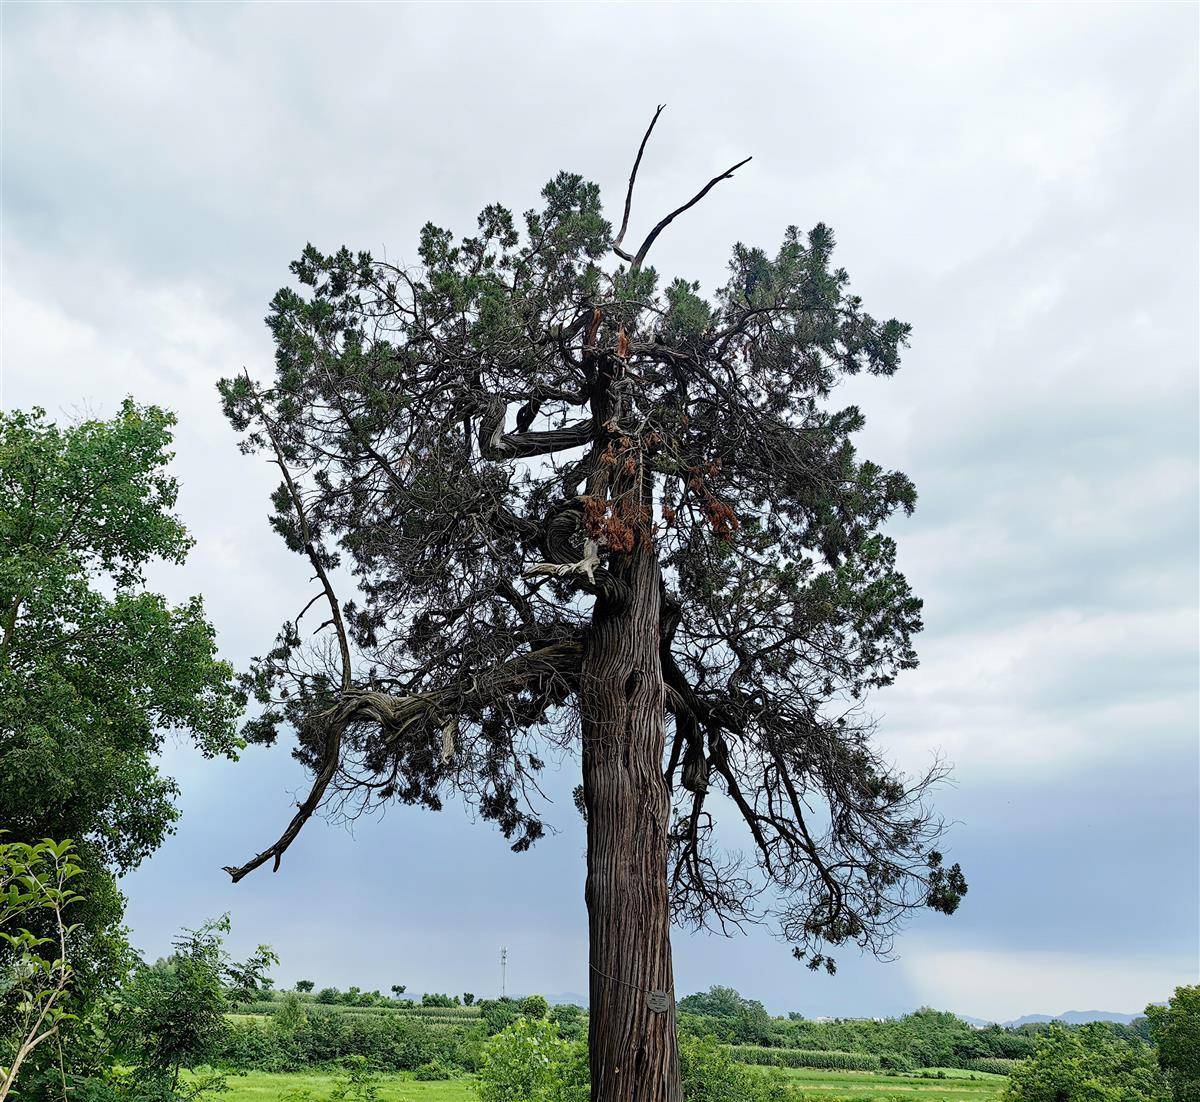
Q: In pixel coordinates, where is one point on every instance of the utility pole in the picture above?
(503, 972)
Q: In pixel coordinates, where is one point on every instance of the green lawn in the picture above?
(261, 1086)
(853, 1086)
(813, 1086)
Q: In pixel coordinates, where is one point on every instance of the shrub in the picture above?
(533, 1006)
(529, 1062)
(710, 1074)
(994, 1065)
(357, 1083)
(572, 1025)
(895, 1061)
(329, 995)
(498, 1014)
(805, 1058)
(433, 1071)
(438, 999)
(390, 1042)
(290, 1014)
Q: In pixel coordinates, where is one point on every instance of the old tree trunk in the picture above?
(632, 1042)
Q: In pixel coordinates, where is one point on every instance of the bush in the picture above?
(572, 1025)
(434, 1071)
(329, 995)
(290, 1015)
(533, 1006)
(805, 1058)
(994, 1065)
(498, 1014)
(357, 1083)
(710, 1074)
(438, 999)
(389, 1041)
(896, 1061)
(529, 1062)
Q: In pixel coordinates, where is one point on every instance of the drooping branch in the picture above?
(332, 731)
(872, 861)
(398, 718)
(310, 548)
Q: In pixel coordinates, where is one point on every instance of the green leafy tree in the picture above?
(498, 1014)
(304, 986)
(529, 1062)
(1175, 1029)
(720, 1002)
(329, 996)
(290, 1015)
(36, 881)
(746, 1021)
(398, 989)
(591, 509)
(95, 670)
(468, 998)
(570, 1020)
(1087, 1064)
(173, 1011)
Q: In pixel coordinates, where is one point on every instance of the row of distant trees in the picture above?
(356, 996)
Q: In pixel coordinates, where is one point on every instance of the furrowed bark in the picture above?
(632, 1042)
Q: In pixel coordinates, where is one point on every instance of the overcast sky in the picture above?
(1019, 182)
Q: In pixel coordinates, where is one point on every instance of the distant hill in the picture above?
(1075, 1017)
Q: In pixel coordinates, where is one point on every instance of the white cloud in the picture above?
(1018, 182)
(1000, 984)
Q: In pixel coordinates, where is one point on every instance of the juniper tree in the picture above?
(588, 510)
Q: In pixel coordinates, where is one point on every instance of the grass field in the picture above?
(259, 1086)
(853, 1086)
(812, 1086)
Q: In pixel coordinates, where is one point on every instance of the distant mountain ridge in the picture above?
(1069, 1017)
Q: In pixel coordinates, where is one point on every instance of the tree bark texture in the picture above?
(633, 1051)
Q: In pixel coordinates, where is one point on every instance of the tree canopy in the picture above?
(95, 670)
(1175, 1029)
(1087, 1064)
(587, 509)
(476, 542)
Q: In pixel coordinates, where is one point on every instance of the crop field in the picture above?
(856, 1086)
(809, 1085)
